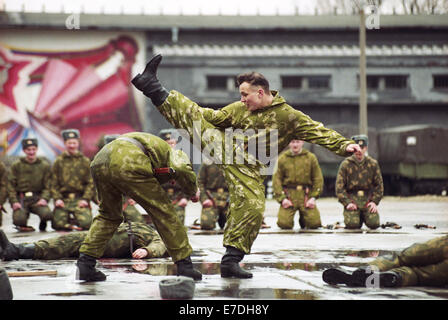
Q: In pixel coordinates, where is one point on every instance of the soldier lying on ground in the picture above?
(145, 239)
(422, 264)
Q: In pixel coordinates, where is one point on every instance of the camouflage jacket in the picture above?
(301, 169)
(174, 190)
(354, 176)
(3, 183)
(162, 155)
(210, 177)
(25, 177)
(144, 236)
(290, 123)
(71, 174)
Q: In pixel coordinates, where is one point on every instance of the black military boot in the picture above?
(86, 269)
(185, 268)
(10, 251)
(148, 83)
(43, 225)
(230, 264)
(336, 276)
(387, 279)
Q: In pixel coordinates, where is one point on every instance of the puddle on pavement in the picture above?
(70, 294)
(233, 291)
(210, 268)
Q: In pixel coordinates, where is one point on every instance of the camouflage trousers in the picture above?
(353, 219)
(71, 214)
(245, 183)
(422, 264)
(132, 175)
(308, 218)
(20, 216)
(209, 216)
(180, 211)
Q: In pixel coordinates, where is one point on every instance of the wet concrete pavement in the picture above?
(285, 264)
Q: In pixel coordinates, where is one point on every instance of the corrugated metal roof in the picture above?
(297, 50)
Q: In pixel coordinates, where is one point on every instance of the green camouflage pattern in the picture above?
(121, 168)
(174, 192)
(245, 181)
(354, 176)
(3, 187)
(211, 179)
(131, 213)
(71, 174)
(67, 245)
(291, 171)
(29, 177)
(422, 264)
(71, 214)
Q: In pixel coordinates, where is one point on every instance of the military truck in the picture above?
(414, 159)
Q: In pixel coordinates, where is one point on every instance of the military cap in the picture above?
(361, 139)
(28, 142)
(70, 134)
(169, 134)
(110, 137)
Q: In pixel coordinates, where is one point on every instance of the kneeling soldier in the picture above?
(297, 183)
(359, 187)
(28, 187)
(71, 186)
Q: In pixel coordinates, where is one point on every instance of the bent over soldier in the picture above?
(172, 188)
(71, 186)
(145, 239)
(132, 166)
(214, 196)
(3, 190)
(297, 184)
(359, 187)
(422, 264)
(260, 109)
(29, 188)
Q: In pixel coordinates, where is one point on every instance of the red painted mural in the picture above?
(87, 90)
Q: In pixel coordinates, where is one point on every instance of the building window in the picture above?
(305, 83)
(396, 82)
(291, 82)
(217, 82)
(319, 82)
(440, 81)
(373, 82)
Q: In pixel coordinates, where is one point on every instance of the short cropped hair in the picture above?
(255, 79)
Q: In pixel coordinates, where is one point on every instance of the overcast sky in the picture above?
(186, 7)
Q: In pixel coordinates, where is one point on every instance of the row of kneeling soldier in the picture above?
(298, 182)
(32, 182)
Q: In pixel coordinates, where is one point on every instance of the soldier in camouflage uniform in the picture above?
(422, 264)
(214, 196)
(71, 186)
(259, 108)
(297, 183)
(146, 241)
(3, 192)
(29, 188)
(135, 165)
(359, 187)
(172, 188)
